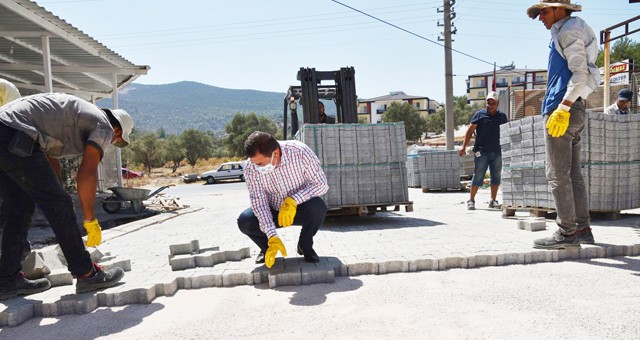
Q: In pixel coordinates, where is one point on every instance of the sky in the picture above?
(261, 45)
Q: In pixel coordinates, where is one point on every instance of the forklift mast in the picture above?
(342, 92)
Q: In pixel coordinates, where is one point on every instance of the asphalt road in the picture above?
(597, 299)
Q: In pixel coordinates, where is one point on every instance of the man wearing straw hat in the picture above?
(572, 77)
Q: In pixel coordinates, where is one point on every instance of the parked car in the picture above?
(225, 171)
(128, 174)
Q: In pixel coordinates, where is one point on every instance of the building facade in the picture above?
(508, 79)
(372, 109)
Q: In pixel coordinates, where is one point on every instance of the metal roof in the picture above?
(30, 36)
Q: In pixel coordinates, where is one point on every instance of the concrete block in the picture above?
(184, 248)
(396, 266)
(260, 275)
(124, 264)
(511, 258)
(134, 296)
(206, 281)
(321, 274)
(16, 314)
(589, 252)
(423, 264)
(167, 289)
(484, 260)
(182, 262)
(34, 266)
(60, 277)
(232, 278)
(452, 262)
(282, 276)
(362, 268)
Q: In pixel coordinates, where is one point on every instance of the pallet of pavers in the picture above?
(439, 170)
(610, 156)
(365, 165)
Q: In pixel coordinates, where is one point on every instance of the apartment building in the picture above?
(508, 79)
(372, 109)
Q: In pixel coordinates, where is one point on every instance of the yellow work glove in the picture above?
(94, 232)
(287, 212)
(559, 121)
(275, 246)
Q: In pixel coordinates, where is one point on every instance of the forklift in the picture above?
(311, 90)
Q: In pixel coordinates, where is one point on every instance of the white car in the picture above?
(225, 171)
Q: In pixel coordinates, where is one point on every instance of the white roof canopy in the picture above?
(39, 52)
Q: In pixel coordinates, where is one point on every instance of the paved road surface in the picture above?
(597, 299)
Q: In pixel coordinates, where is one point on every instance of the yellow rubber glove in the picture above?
(559, 121)
(94, 232)
(275, 246)
(287, 212)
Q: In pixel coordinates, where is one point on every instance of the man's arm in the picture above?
(88, 181)
(55, 164)
(574, 51)
(315, 178)
(467, 138)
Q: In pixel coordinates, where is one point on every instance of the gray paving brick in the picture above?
(236, 278)
(362, 268)
(320, 274)
(484, 260)
(394, 266)
(60, 277)
(184, 248)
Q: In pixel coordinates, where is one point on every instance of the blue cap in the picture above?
(625, 94)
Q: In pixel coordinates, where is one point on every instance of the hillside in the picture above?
(180, 106)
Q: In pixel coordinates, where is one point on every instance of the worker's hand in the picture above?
(275, 246)
(287, 212)
(559, 121)
(461, 152)
(94, 232)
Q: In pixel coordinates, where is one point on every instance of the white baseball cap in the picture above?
(492, 95)
(126, 123)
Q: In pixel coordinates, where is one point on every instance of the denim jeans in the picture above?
(564, 175)
(309, 214)
(487, 160)
(24, 182)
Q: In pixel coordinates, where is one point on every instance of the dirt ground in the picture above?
(165, 175)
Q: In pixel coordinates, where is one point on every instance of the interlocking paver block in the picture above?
(206, 281)
(184, 248)
(362, 268)
(123, 264)
(423, 264)
(16, 313)
(452, 262)
(182, 262)
(236, 278)
(321, 274)
(60, 277)
(34, 266)
(207, 259)
(395, 266)
(485, 260)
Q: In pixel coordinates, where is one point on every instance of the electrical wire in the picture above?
(412, 33)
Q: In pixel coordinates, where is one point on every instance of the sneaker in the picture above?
(23, 286)
(557, 241)
(585, 236)
(493, 204)
(99, 279)
(471, 205)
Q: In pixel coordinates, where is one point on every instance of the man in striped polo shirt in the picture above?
(285, 182)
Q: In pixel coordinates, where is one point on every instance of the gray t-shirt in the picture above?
(60, 123)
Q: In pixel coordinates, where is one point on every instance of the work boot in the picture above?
(585, 236)
(98, 279)
(309, 255)
(471, 205)
(557, 241)
(260, 257)
(22, 286)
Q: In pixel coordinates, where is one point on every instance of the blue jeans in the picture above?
(24, 182)
(309, 214)
(487, 160)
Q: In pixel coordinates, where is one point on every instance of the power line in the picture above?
(412, 33)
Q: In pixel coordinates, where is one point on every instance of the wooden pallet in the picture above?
(508, 211)
(462, 188)
(365, 210)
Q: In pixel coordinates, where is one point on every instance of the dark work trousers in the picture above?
(24, 182)
(310, 215)
(564, 175)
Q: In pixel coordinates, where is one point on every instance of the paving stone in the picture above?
(452, 262)
(207, 259)
(182, 262)
(362, 268)
(34, 266)
(167, 289)
(588, 252)
(532, 224)
(60, 277)
(71, 304)
(568, 254)
(232, 278)
(206, 281)
(16, 313)
(123, 264)
(423, 264)
(134, 296)
(484, 260)
(320, 274)
(260, 275)
(184, 248)
(395, 266)
(282, 274)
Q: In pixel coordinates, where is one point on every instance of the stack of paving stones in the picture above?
(365, 164)
(610, 157)
(413, 171)
(439, 170)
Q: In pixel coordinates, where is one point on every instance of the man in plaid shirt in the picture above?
(285, 182)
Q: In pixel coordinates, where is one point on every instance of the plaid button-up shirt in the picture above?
(298, 176)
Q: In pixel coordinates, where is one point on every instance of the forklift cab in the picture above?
(311, 90)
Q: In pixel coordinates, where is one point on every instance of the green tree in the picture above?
(462, 113)
(148, 150)
(414, 124)
(241, 126)
(197, 145)
(174, 151)
(623, 48)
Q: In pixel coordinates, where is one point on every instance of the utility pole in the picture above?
(449, 14)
